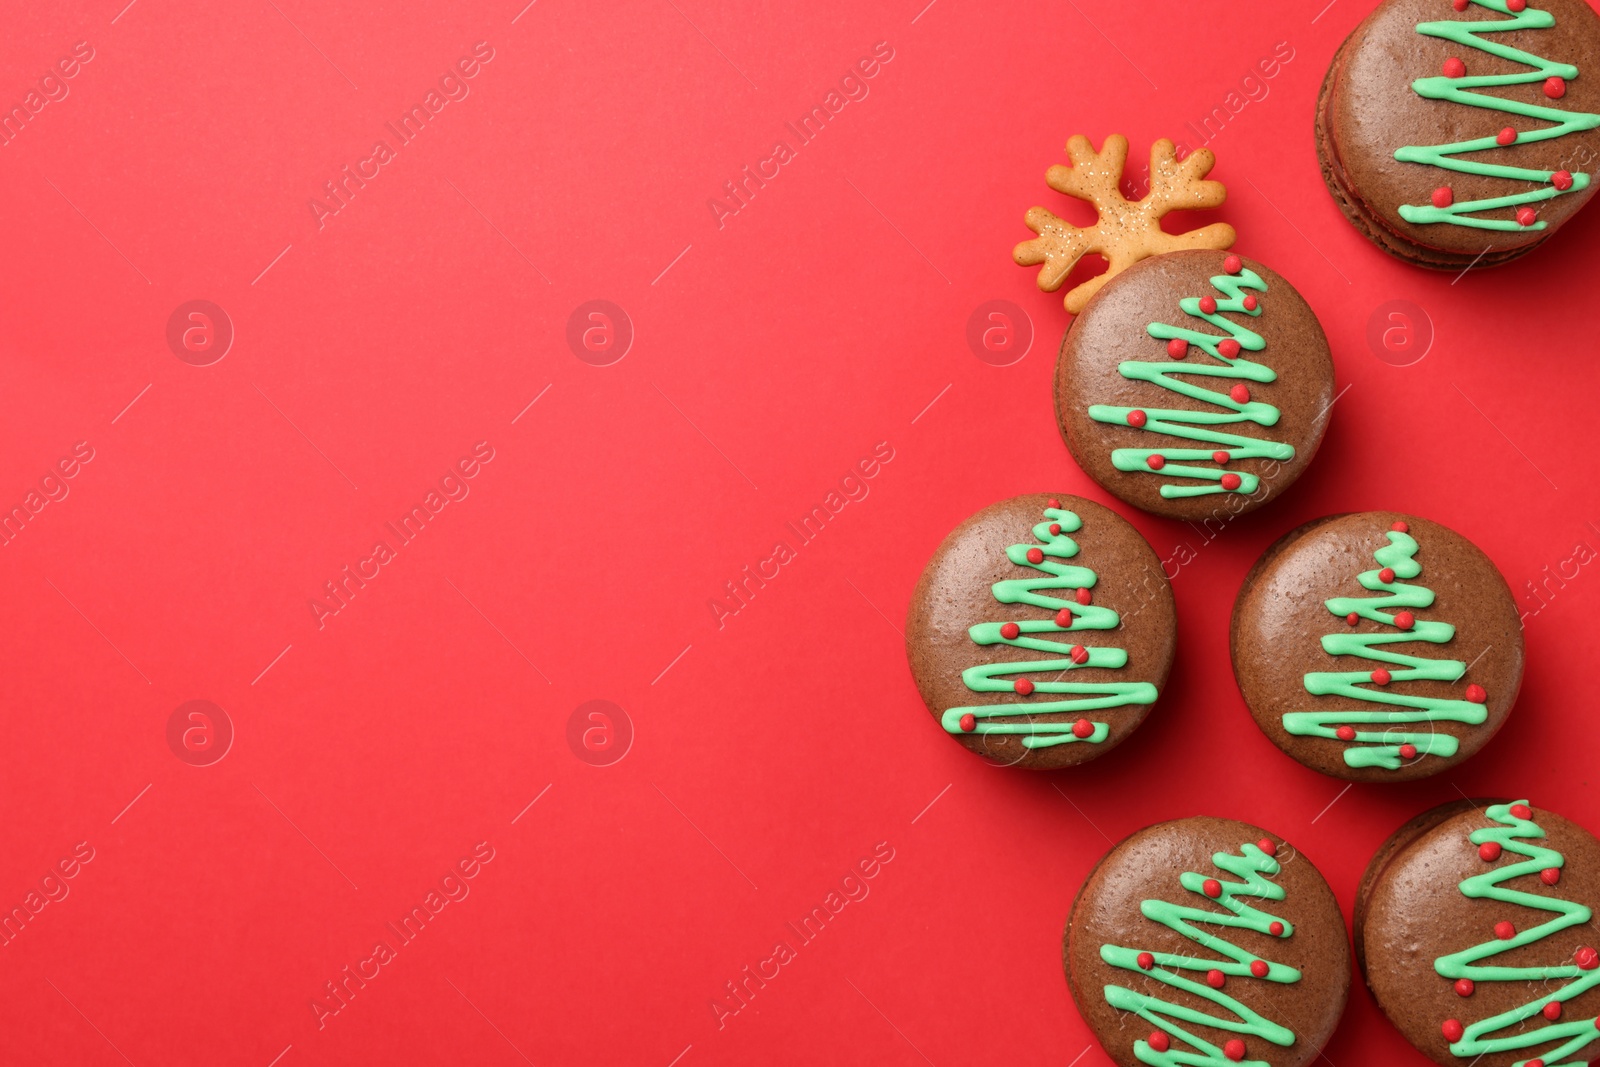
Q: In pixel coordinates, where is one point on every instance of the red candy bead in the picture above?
(1233, 1049)
(1346, 732)
(1506, 136)
(1268, 845)
(1208, 305)
(1454, 68)
(1082, 596)
(1444, 196)
(1276, 929)
(1010, 630)
(1550, 875)
(1220, 456)
(1381, 677)
(1258, 968)
(1452, 1030)
(1516, 5)
(1079, 654)
(1232, 264)
(1562, 179)
(1352, 619)
(969, 722)
(1521, 811)
(1552, 1010)
(1400, 527)
(1386, 575)
(1064, 618)
(1489, 851)
(1476, 693)
(1555, 88)
(1177, 348)
(1158, 1041)
(1146, 961)
(1137, 418)
(1586, 958)
(1405, 620)
(1023, 687)
(1035, 555)
(1505, 930)
(1082, 728)
(1463, 987)
(1408, 751)
(1251, 303)
(1526, 216)
(1231, 481)
(1228, 347)
(1211, 888)
(1055, 529)
(1240, 393)
(1052, 503)
(1459, 5)
(1155, 463)
(1216, 979)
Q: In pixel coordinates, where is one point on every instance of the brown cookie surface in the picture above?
(1215, 917)
(1195, 384)
(1475, 918)
(1377, 646)
(1394, 89)
(1042, 631)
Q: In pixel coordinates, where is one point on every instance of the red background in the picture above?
(771, 353)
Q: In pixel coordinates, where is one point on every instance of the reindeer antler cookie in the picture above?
(1127, 231)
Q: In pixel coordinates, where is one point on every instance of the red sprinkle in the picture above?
(1555, 88)
(1400, 527)
(1010, 630)
(1476, 693)
(1386, 575)
(1526, 216)
(1346, 732)
(1276, 929)
(1079, 654)
(1216, 979)
(1550, 875)
(1208, 305)
(1552, 1010)
(1177, 348)
(1452, 1030)
(1231, 481)
(1082, 596)
(1459, 5)
(1228, 347)
(1586, 958)
(1064, 618)
(1146, 961)
(1444, 196)
(1052, 503)
(1023, 687)
(1220, 456)
(1408, 751)
(1258, 968)
(1505, 930)
(1155, 463)
(1158, 1041)
(1137, 418)
(1233, 1049)
(1464, 987)
(1489, 851)
(1516, 5)
(1405, 620)
(1352, 619)
(1055, 529)
(1506, 136)
(1035, 555)
(1082, 728)
(1268, 845)
(1232, 264)
(1522, 811)
(1211, 888)
(1455, 68)
(1251, 303)
(969, 722)
(1562, 179)
(1381, 677)
(1240, 393)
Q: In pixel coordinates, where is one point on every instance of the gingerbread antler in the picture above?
(1127, 231)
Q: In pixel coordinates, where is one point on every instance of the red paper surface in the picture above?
(768, 351)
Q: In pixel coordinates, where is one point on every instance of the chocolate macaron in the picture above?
(1195, 384)
(1207, 941)
(1377, 646)
(1042, 631)
(1454, 132)
(1475, 931)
